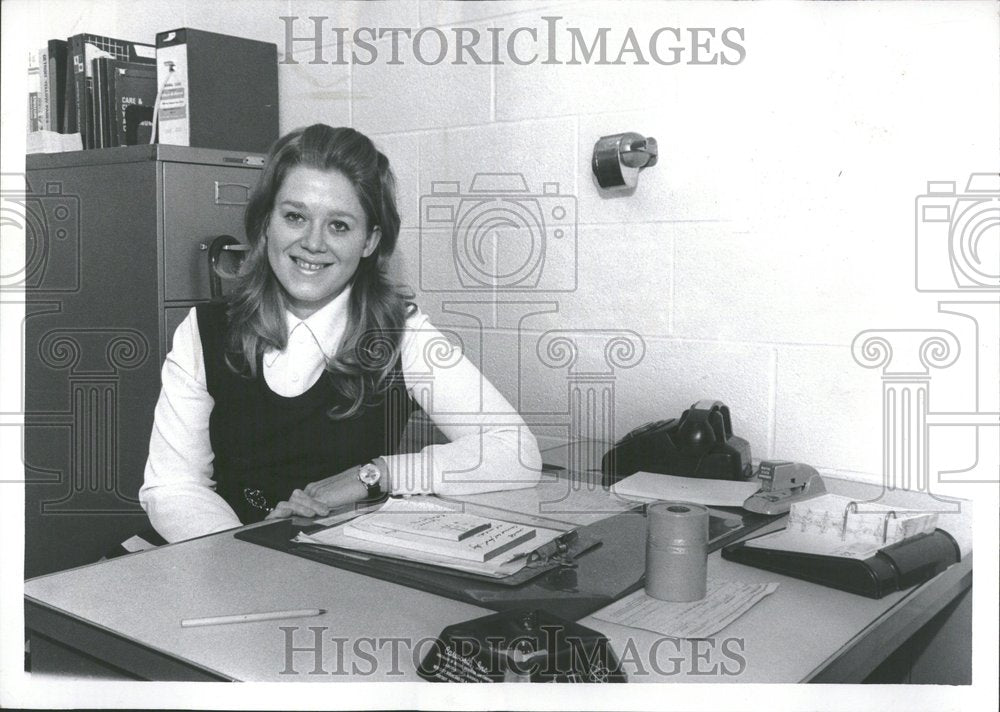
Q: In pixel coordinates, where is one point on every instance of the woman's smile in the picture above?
(309, 266)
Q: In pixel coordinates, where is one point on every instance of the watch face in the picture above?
(369, 474)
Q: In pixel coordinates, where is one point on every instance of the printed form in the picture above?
(724, 602)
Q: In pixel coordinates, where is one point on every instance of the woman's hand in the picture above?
(321, 496)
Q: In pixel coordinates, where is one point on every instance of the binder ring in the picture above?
(851, 507)
(891, 514)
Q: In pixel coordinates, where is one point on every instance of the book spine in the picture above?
(57, 85)
(96, 103)
(104, 109)
(78, 95)
(117, 110)
(93, 131)
(34, 91)
(107, 105)
(69, 91)
(44, 117)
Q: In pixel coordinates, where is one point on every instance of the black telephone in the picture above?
(698, 444)
(521, 645)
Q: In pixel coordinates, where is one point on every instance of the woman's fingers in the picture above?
(306, 505)
(281, 511)
(299, 504)
(317, 488)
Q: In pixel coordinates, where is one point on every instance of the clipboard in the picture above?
(275, 536)
(606, 560)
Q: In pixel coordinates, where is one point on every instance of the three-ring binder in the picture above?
(893, 568)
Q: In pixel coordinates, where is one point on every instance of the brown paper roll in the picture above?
(676, 551)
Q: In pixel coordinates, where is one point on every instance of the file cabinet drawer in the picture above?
(199, 204)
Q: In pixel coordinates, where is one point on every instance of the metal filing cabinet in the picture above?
(117, 253)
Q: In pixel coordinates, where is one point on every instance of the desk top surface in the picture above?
(379, 630)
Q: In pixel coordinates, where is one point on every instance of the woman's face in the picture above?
(317, 236)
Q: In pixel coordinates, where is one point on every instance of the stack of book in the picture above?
(101, 88)
(461, 536)
(214, 91)
(427, 532)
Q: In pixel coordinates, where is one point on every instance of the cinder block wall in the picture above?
(778, 224)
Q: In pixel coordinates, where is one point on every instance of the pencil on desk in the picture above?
(252, 617)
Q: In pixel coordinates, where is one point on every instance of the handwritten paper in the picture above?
(833, 525)
(720, 493)
(724, 602)
(421, 519)
(482, 546)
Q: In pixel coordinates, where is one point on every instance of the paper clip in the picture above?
(851, 507)
(556, 551)
(885, 525)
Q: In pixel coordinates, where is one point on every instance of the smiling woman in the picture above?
(290, 397)
(317, 237)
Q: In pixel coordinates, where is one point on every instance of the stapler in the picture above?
(781, 484)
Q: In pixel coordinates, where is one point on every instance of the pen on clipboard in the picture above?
(252, 617)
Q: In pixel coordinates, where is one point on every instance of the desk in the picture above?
(121, 617)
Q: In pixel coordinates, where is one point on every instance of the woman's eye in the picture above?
(339, 226)
(294, 217)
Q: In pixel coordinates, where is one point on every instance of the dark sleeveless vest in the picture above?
(267, 445)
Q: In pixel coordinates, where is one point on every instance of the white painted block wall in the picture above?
(778, 224)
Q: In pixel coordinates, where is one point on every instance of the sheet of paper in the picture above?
(724, 602)
(806, 543)
(834, 525)
(720, 493)
(560, 499)
(136, 543)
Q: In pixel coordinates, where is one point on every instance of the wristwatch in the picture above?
(371, 477)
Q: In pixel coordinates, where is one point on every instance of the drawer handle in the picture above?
(231, 193)
(215, 249)
(238, 247)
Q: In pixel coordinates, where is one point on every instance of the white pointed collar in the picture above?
(326, 324)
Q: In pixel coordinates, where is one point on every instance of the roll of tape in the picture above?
(676, 551)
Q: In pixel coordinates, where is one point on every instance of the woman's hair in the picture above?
(377, 309)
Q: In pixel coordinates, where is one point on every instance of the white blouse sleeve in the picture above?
(491, 447)
(178, 492)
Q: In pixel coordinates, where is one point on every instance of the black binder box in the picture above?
(894, 568)
(216, 91)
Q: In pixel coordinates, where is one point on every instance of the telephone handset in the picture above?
(698, 444)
